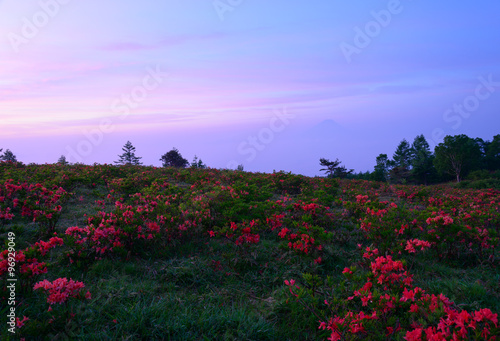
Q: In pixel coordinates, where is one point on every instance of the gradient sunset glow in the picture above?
(333, 79)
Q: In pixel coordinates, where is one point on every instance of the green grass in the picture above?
(201, 288)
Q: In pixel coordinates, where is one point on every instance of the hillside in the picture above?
(132, 252)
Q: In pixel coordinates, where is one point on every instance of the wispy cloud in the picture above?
(169, 41)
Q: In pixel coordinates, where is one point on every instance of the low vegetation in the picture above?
(134, 252)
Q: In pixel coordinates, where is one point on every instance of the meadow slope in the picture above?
(133, 252)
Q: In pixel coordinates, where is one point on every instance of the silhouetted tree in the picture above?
(240, 168)
(399, 175)
(457, 155)
(8, 156)
(334, 169)
(401, 163)
(492, 156)
(197, 163)
(382, 167)
(422, 160)
(174, 159)
(62, 160)
(128, 157)
(402, 156)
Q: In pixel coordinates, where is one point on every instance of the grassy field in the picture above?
(204, 254)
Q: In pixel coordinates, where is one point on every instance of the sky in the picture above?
(272, 85)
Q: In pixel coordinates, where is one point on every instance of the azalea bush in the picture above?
(44, 206)
(29, 264)
(378, 301)
(61, 295)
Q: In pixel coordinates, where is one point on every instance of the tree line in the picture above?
(456, 158)
(172, 158)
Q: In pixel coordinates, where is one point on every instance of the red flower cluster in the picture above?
(411, 244)
(458, 326)
(27, 260)
(242, 233)
(60, 290)
(44, 247)
(423, 308)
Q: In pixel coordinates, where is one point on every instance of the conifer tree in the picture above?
(62, 160)
(128, 157)
(334, 169)
(381, 171)
(197, 163)
(402, 156)
(422, 160)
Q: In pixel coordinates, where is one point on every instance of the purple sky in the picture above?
(272, 85)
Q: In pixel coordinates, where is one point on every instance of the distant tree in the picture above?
(483, 147)
(62, 160)
(334, 169)
(197, 163)
(492, 156)
(364, 176)
(399, 175)
(457, 155)
(8, 156)
(342, 172)
(174, 159)
(403, 155)
(421, 160)
(382, 167)
(330, 166)
(240, 168)
(128, 157)
(359, 176)
(401, 163)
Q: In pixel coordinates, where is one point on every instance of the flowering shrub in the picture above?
(385, 304)
(62, 294)
(413, 243)
(9, 199)
(136, 226)
(243, 235)
(61, 290)
(44, 205)
(27, 262)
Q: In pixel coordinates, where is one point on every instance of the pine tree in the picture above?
(62, 160)
(402, 156)
(197, 163)
(381, 171)
(422, 160)
(128, 157)
(401, 163)
(334, 169)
